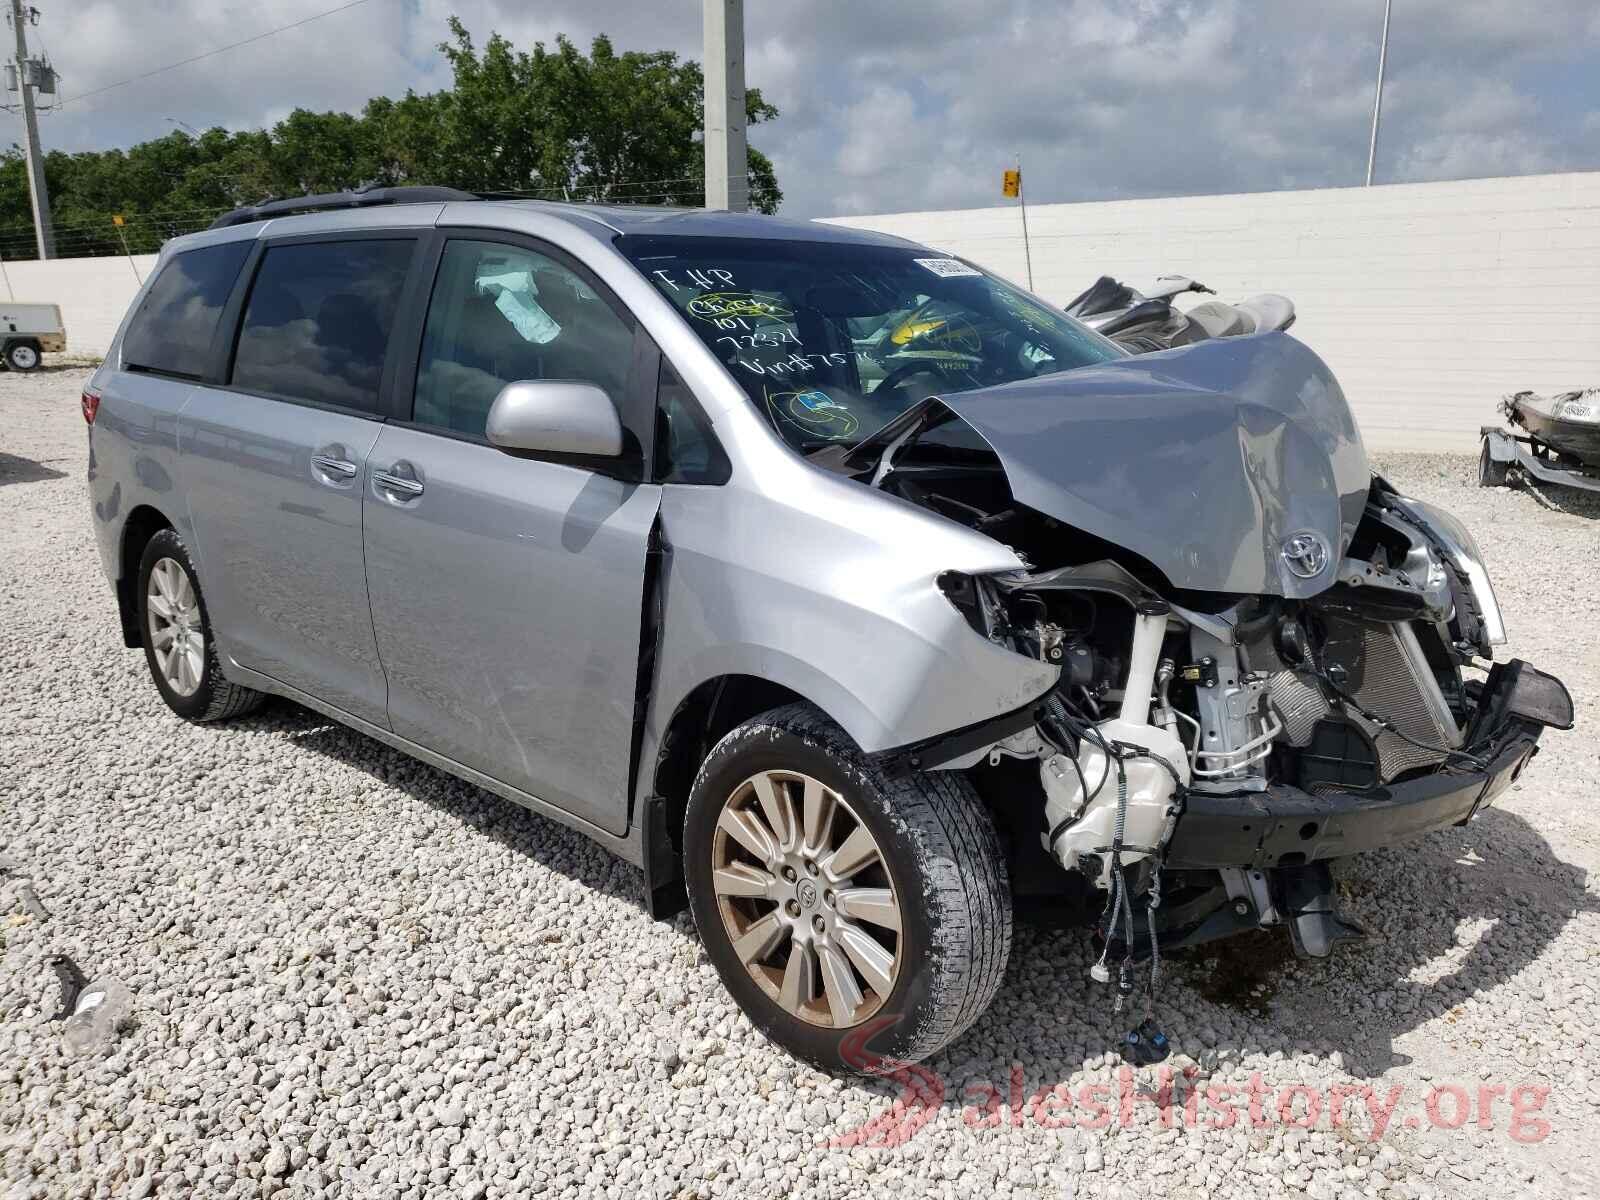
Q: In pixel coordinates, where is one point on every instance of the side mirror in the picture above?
(556, 417)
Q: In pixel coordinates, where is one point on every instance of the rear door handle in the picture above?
(330, 464)
(397, 484)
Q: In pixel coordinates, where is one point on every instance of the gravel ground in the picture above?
(353, 975)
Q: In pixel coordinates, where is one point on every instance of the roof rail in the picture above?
(360, 198)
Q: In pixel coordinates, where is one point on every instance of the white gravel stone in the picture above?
(353, 975)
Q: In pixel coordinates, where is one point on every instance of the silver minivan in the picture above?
(856, 595)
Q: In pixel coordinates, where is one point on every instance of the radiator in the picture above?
(1387, 673)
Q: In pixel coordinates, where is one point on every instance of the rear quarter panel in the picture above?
(133, 443)
(133, 452)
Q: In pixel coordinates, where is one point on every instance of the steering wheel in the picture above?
(902, 373)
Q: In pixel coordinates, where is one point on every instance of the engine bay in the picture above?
(1204, 754)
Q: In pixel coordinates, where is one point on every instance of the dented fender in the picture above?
(844, 609)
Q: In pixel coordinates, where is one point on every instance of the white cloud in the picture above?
(1471, 155)
(920, 103)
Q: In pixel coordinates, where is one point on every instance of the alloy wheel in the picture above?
(806, 898)
(176, 635)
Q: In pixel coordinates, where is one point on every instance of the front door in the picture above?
(506, 591)
(273, 463)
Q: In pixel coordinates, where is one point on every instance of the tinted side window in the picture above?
(500, 314)
(686, 449)
(171, 332)
(316, 325)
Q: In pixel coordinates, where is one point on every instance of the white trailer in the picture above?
(27, 331)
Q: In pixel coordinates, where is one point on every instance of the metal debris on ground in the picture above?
(71, 980)
(96, 1017)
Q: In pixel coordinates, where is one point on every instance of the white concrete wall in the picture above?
(1428, 300)
(93, 293)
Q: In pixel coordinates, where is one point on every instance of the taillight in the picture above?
(91, 406)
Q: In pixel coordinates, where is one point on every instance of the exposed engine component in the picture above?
(1233, 729)
(1334, 752)
(1382, 668)
(1298, 699)
(1093, 802)
(1388, 673)
(1397, 570)
(1179, 718)
(1180, 741)
(1114, 800)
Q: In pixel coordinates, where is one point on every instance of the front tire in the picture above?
(178, 644)
(851, 915)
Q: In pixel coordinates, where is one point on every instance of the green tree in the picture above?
(553, 122)
(563, 124)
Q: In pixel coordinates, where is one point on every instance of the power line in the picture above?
(219, 50)
(627, 190)
(97, 235)
(179, 216)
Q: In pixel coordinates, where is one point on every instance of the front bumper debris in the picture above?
(1285, 826)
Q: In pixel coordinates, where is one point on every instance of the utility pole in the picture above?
(727, 163)
(27, 72)
(1377, 100)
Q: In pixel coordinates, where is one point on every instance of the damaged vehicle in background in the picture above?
(850, 591)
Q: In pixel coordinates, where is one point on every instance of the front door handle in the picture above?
(332, 464)
(398, 485)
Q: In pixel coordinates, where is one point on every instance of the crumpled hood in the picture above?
(1203, 460)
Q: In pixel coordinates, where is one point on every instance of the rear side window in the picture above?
(171, 332)
(317, 323)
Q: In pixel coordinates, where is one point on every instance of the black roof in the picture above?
(365, 198)
(623, 218)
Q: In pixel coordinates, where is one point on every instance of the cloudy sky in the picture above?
(911, 104)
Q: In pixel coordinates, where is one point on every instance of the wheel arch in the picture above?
(701, 719)
(142, 524)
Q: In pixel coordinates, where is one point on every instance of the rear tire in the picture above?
(1491, 471)
(176, 631)
(23, 356)
(892, 893)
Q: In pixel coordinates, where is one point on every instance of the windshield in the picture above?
(833, 340)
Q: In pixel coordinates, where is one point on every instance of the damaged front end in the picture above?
(1238, 749)
(1268, 657)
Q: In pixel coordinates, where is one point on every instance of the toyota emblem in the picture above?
(1306, 553)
